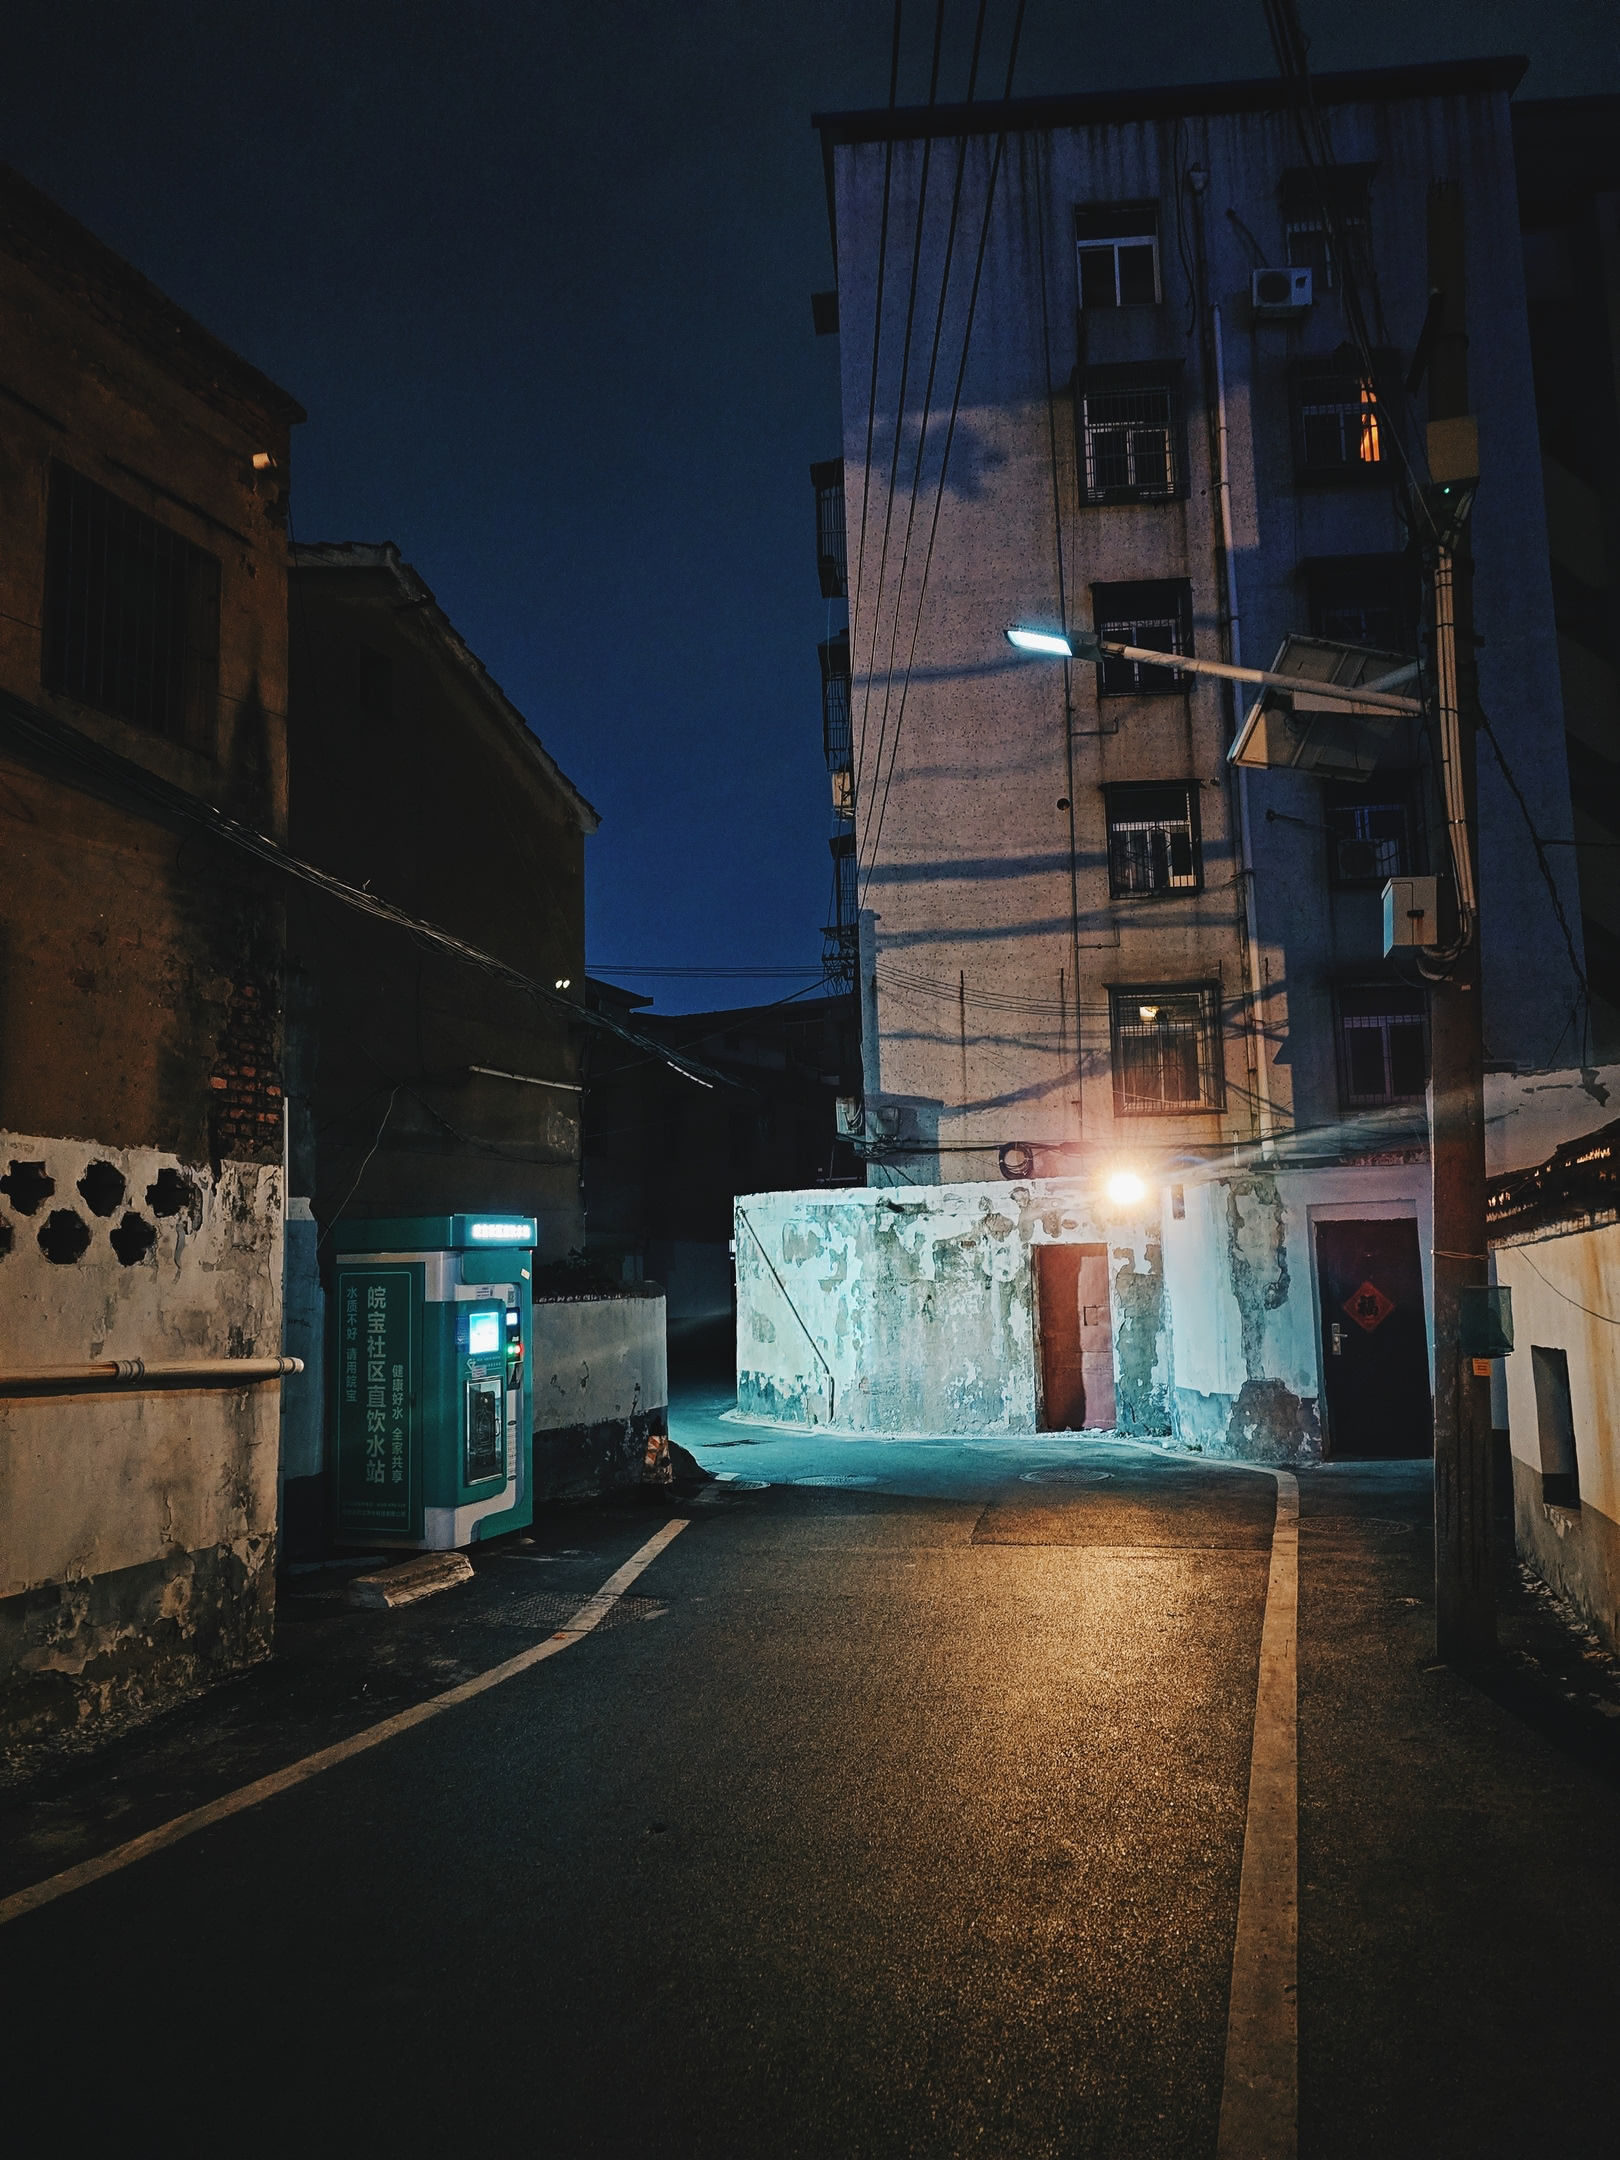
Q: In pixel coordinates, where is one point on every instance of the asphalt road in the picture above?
(899, 1809)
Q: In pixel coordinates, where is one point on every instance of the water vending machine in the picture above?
(432, 1398)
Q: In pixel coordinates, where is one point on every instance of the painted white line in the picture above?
(1260, 2090)
(594, 1609)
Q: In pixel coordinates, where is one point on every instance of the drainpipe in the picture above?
(1262, 1087)
(184, 1372)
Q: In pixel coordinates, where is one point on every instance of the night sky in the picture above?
(541, 275)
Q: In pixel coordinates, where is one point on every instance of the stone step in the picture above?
(405, 1585)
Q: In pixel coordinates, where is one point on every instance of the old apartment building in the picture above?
(1136, 364)
(143, 696)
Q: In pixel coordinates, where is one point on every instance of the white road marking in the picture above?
(1260, 2090)
(594, 1609)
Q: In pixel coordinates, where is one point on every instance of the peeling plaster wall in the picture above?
(913, 1310)
(139, 1544)
(1561, 1285)
(601, 1388)
(1240, 1285)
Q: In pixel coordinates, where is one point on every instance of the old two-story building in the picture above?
(419, 1084)
(1144, 1099)
(143, 699)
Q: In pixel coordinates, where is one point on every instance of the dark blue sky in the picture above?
(541, 274)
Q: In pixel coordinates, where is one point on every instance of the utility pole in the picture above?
(1465, 1607)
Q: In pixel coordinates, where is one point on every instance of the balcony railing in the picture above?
(832, 562)
(836, 736)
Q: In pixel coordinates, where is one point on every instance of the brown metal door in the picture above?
(1077, 1343)
(1096, 1339)
(1375, 1348)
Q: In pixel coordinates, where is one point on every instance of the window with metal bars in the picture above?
(832, 564)
(1364, 600)
(1324, 215)
(836, 737)
(1166, 1048)
(1118, 247)
(131, 614)
(1383, 1046)
(1156, 614)
(1153, 838)
(1371, 829)
(1340, 430)
(1129, 425)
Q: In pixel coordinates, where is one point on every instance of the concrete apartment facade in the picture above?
(1066, 967)
(143, 688)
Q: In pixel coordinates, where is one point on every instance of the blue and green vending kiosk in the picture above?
(432, 1396)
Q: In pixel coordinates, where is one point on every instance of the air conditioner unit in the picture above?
(1280, 295)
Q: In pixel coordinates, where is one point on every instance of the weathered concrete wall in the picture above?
(140, 990)
(601, 1389)
(1566, 1296)
(913, 1310)
(1240, 1279)
(139, 1524)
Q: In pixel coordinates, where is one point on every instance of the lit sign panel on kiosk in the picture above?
(483, 1334)
(499, 1233)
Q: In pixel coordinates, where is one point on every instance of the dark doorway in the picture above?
(1375, 1346)
(1076, 1336)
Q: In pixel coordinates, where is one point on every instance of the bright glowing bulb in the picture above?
(1041, 641)
(563, 982)
(1125, 1188)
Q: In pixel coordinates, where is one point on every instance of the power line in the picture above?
(950, 437)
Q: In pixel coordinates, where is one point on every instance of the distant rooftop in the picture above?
(1092, 108)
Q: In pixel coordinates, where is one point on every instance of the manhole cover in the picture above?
(1366, 1525)
(834, 1481)
(548, 1610)
(1065, 1474)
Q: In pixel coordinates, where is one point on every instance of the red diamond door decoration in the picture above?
(1368, 1306)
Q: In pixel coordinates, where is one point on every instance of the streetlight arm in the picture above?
(1341, 693)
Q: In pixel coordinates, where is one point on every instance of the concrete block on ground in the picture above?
(406, 1585)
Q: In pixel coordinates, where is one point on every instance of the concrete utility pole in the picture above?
(1465, 1608)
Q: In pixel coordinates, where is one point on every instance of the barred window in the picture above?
(131, 613)
(1340, 430)
(1313, 237)
(1371, 829)
(1364, 600)
(1153, 838)
(1156, 614)
(1383, 1046)
(1166, 1049)
(1119, 254)
(846, 906)
(1130, 440)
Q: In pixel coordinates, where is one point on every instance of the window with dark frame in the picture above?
(1156, 614)
(1371, 828)
(131, 614)
(1340, 431)
(1324, 213)
(1166, 1049)
(1130, 435)
(1364, 600)
(832, 562)
(1118, 245)
(1153, 838)
(1383, 1046)
(836, 737)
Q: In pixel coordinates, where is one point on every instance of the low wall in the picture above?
(601, 1390)
(911, 1309)
(137, 1524)
(1566, 1296)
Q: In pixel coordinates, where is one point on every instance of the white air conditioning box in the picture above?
(1279, 295)
(1410, 913)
